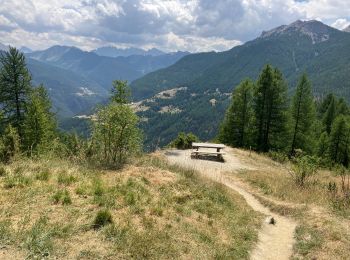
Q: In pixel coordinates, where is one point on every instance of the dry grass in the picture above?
(48, 210)
(323, 231)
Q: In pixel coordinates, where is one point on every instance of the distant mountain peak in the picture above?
(25, 49)
(111, 51)
(316, 30)
(347, 29)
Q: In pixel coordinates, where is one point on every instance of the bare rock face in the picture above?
(270, 220)
(315, 30)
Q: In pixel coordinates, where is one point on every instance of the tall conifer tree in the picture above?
(303, 116)
(339, 140)
(14, 88)
(40, 123)
(237, 126)
(330, 115)
(270, 106)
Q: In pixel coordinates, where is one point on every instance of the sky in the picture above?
(170, 25)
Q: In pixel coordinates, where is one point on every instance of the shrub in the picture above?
(103, 217)
(184, 141)
(116, 136)
(9, 144)
(303, 168)
(278, 156)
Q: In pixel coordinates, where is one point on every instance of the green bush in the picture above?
(278, 156)
(184, 141)
(103, 217)
(9, 144)
(303, 168)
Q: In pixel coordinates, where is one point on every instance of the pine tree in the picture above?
(237, 125)
(14, 88)
(270, 106)
(40, 123)
(303, 116)
(339, 141)
(329, 115)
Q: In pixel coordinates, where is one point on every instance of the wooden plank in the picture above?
(208, 145)
(207, 152)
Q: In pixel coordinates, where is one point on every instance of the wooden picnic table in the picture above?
(196, 152)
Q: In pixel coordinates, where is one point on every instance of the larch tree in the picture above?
(236, 129)
(329, 115)
(15, 88)
(40, 123)
(270, 107)
(339, 141)
(324, 104)
(303, 117)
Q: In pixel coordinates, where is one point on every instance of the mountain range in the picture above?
(78, 80)
(110, 51)
(207, 79)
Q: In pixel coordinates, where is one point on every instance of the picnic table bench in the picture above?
(197, 146)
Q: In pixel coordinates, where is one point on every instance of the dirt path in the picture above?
(274, 241)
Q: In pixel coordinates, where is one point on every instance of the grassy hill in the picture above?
(149, 210)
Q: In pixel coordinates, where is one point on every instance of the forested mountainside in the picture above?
(207, 79)
(313, 47)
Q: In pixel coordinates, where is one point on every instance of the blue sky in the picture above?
(192, 25)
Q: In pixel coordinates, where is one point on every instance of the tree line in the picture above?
(28, 126)
(263, 118)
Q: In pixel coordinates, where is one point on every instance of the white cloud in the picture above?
(341, 24)
(6, 24)
(166, 24)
